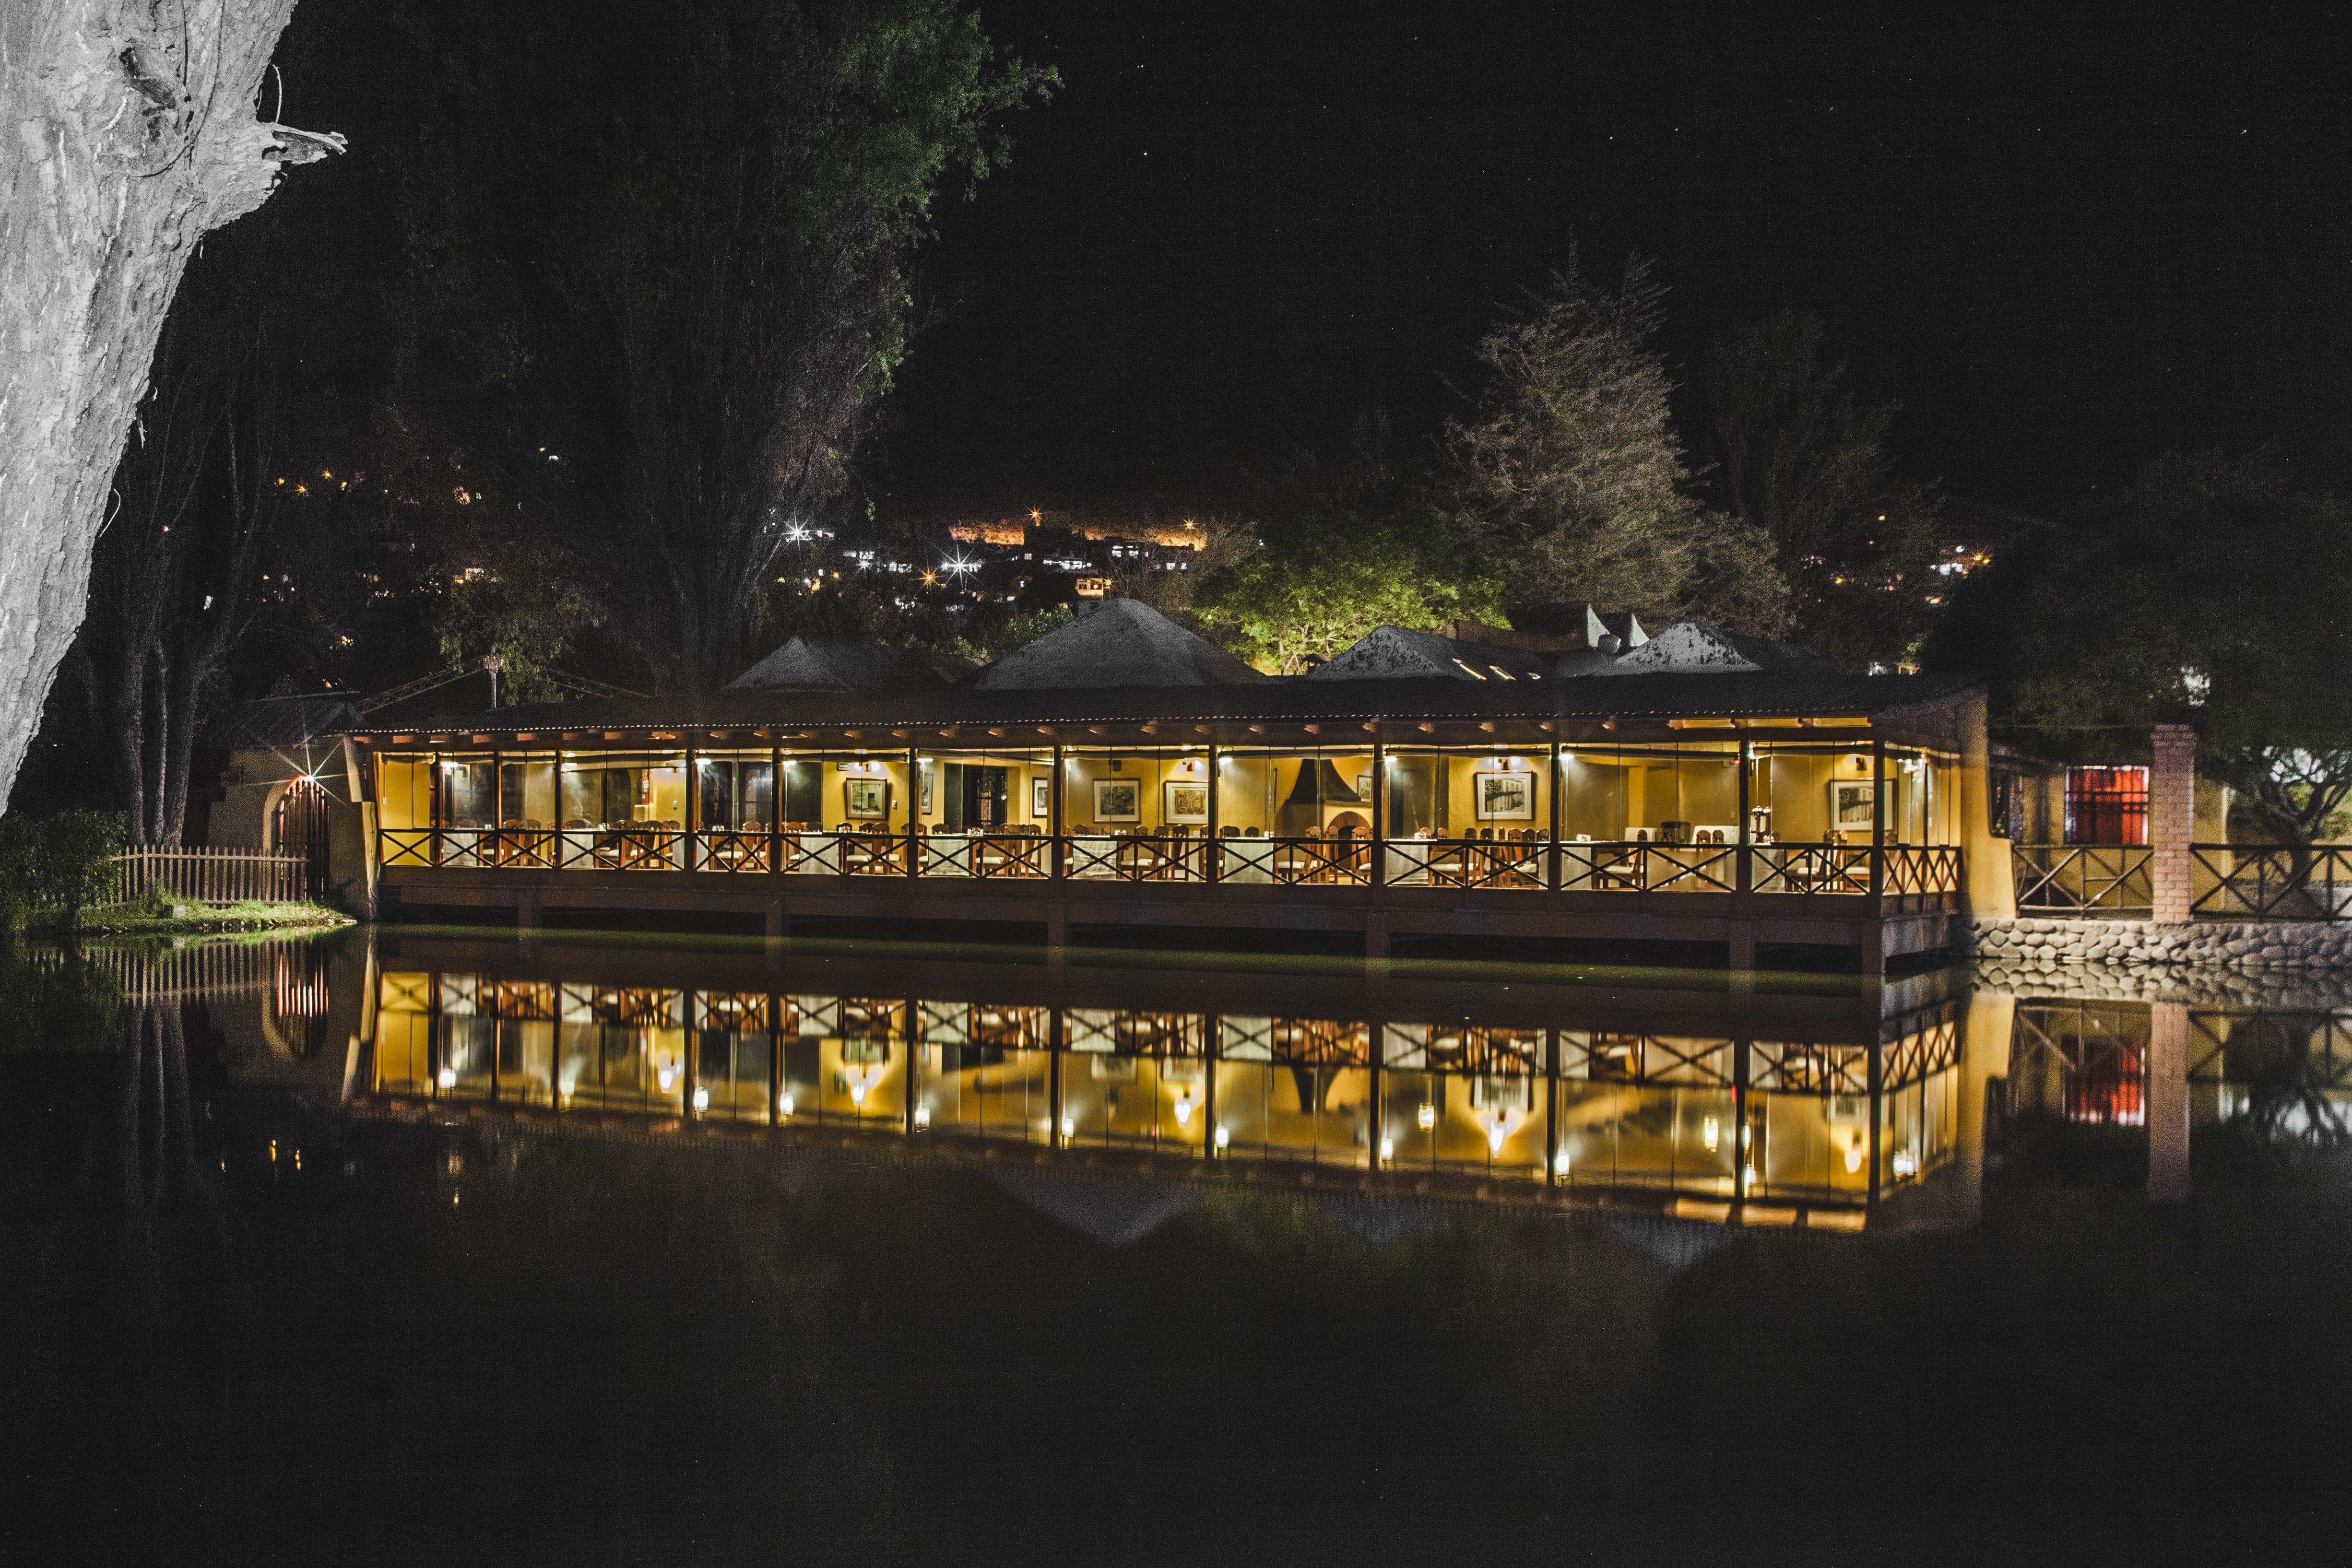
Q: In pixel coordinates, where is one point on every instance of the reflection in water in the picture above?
(1816, 1128)
(599, 1254)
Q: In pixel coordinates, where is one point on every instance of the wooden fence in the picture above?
(210, 876)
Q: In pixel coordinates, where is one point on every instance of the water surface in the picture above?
(436, 1246)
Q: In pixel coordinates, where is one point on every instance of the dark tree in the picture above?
(175, 582)
(664, 280)
(1799, 457)
(1569, 474)
(2212, 592)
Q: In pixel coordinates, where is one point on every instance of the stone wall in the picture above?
(2026, 946)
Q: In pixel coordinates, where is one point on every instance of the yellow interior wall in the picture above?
(1242, 792)
(403, 793)
(1462, 796)
(833, 800)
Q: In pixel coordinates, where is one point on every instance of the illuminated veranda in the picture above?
(1746, 808)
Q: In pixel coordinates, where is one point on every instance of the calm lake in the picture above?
(427, 1245)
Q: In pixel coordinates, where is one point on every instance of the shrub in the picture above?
(53, 869)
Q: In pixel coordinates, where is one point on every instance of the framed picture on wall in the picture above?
(1118, 800)
(1185, 801)
(1850, 804)
(925, 772)
(1503, 797)
(1041, 796)
(866, 799)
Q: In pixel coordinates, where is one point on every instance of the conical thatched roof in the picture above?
(1119, 642)
(1389, 651)
(816, 664)
(1693, 645)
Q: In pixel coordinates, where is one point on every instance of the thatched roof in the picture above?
(818, 663)
(1118, 642)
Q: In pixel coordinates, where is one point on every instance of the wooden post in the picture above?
(1210, 864)
(693, 814)
(1209, 1042)
(1060, 867)
(1744, 876)
(1877, 820)
(914, 834)
(1551, 846)
(1877, 1114)
(1380, 811)
(775, 808)
(1551, 1105)
(1054, 1080)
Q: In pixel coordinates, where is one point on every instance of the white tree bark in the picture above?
(128, 131)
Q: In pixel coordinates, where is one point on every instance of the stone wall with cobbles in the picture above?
(2024, 947)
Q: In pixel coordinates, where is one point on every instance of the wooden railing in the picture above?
(1930, 873)
(2271, 881)
(209, 876)
(2083, 879)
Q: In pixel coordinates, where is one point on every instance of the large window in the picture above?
(2106, 805)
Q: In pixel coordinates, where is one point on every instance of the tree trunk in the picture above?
(130, 134)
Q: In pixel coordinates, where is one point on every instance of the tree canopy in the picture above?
(2212, 592)
(1569, 472)
(1800, 457)
(670, 271)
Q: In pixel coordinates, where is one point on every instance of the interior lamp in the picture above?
(784, 1104)
(701, 1098)
(1426, 1115)
(1388, 1148)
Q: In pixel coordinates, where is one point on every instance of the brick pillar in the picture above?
(2171, 819)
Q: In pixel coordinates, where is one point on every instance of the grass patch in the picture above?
(158, 914)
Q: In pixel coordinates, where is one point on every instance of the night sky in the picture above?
(2065, 243)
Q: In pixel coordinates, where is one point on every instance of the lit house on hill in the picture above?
(1598, 785)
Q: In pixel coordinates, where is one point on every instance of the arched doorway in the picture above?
(300, 829)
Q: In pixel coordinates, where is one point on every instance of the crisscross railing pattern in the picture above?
(1920, 870)
(1811, 868)
(2070, 879)
(2263, 882)
(1342, 861)
(1640, 866)
(2271, 881)
(731, 849)
(1465, 862)
(1103, 856)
